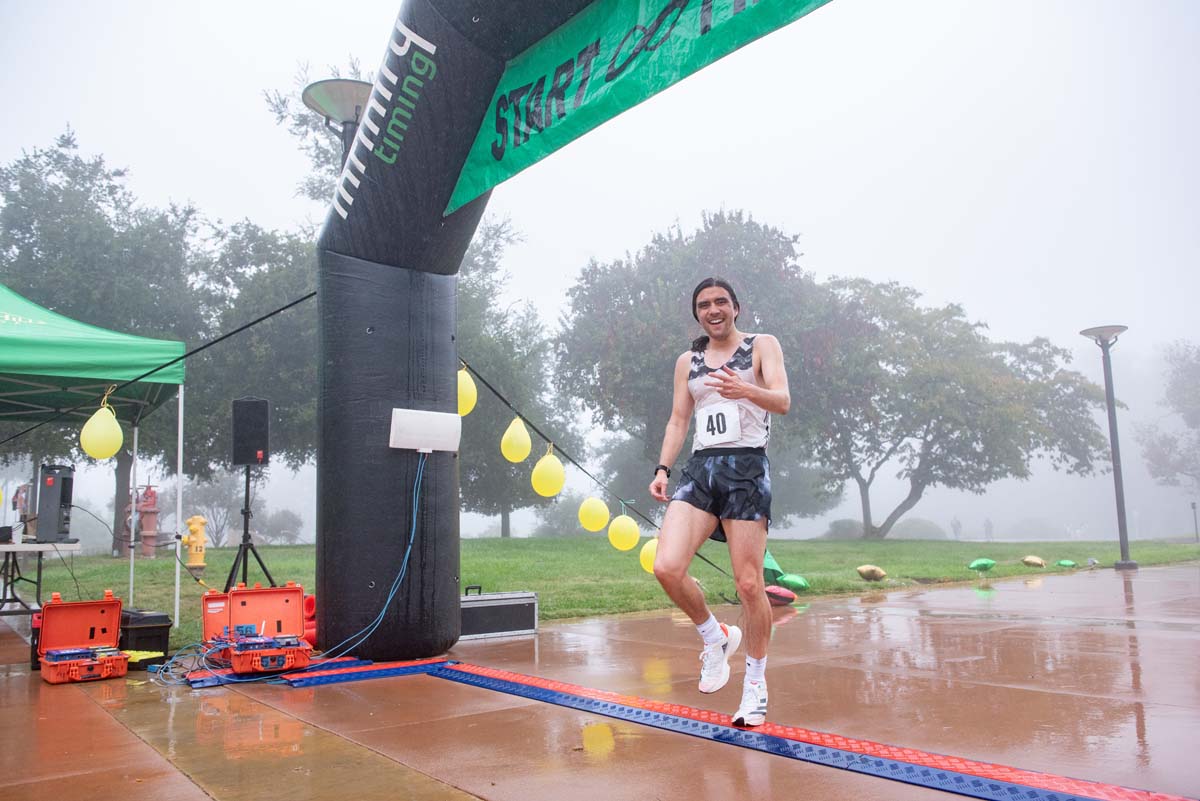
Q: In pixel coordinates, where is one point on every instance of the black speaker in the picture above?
(56, 483)
(251, 431)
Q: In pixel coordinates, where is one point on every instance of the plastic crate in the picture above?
(80, 625)
(145, 631)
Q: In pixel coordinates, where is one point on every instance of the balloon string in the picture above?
(104, 401)
(573, 461)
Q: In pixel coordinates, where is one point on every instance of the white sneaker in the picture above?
(753, 711)
(714, 659)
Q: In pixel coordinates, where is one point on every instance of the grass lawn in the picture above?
(581, 576)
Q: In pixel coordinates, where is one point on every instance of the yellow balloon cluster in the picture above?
(468, 394)
(593, 514)
(101, 436)
(548, 475)
(515, 444)
(623, 533)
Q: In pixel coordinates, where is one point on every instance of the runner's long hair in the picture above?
(700, 343)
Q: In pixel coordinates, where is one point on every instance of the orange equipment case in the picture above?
(275, 612)
(214, 616)
(81, 625)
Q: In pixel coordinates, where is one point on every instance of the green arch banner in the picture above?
(607, 58)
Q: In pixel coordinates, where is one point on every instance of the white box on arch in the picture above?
(427, 432)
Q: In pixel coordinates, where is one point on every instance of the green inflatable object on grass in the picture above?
(773, 574)
(792, 582)
(982, 565)
(1066, 563)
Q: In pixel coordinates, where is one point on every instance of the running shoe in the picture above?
(714, 659)
(753, 711)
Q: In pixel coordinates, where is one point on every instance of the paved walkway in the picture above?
(1094, 675)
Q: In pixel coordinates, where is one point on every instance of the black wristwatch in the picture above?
(662, 467)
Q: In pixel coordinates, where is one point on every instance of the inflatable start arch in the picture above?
(469, 94)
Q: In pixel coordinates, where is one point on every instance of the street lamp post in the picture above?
(342, 100)
(1195, 525)
(1106, 336)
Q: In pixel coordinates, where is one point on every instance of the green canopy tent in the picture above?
(50, 364)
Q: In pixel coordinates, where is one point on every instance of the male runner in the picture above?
(731, 382)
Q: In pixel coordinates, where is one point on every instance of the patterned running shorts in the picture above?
(732, 484)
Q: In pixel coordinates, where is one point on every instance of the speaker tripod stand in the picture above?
(246, 547)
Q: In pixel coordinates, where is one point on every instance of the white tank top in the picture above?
(723, 423)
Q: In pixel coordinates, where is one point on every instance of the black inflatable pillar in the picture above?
(386, 293)
(386, 290)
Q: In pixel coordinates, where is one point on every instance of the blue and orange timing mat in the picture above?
(936, 771)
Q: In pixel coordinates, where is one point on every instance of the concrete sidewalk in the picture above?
(1094, 675)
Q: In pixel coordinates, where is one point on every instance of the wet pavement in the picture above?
(1094, 675)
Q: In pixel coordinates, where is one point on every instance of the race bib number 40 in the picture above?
(718, 424)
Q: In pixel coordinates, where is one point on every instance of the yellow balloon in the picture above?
(623, 533)
(646, 557)
(467, 393)
(593, 514)
(515, 444)
(101, 436)
(548, 476)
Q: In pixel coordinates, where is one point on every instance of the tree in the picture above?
(844, 529)
(74, 239)
(560, 518)
(281, 526)
(277, 359)
(918, 528)
(321, 143)
(1173, 456)
(629, 320)
(507, 344)
(892, 383)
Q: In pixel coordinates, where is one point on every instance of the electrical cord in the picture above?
(78, 591)
(195, 578)
(126, 540)
(107, 527)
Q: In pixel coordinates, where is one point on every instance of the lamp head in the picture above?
(339, 100)
(1104, 334)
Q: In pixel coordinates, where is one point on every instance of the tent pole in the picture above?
(133, 515)
(178, 498)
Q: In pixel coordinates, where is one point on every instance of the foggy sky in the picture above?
(1033, 160)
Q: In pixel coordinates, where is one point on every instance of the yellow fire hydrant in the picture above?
(194, 540)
